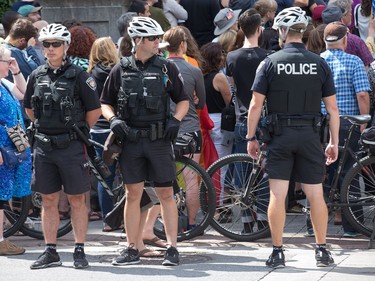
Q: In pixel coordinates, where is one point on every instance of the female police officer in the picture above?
(58, 96)
(294, 115)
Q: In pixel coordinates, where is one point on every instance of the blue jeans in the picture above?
(105, 200)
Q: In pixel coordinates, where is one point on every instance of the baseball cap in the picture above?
(334, 31)
(27, 9)
(331, 13)
(224, 19)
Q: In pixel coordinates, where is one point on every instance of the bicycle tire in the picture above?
(206, 200)
(33, 224)
(15, 211)
(359, 187)
(232, 214)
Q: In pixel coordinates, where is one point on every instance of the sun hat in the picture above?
(225, 19)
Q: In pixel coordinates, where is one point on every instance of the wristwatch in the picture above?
(251, 139)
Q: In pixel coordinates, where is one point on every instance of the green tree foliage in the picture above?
(5, 6)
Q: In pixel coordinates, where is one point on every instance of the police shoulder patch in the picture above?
(91, 83)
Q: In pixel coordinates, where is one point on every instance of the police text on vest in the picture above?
(297, 68)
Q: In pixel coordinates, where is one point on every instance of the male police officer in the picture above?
(60, 95)
(135, 100)
(294, 81)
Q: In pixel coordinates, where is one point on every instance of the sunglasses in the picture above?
(152, 38)
(7, 61)
(54, 44)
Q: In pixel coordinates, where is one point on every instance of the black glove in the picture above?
(119, 128)
(172, 128)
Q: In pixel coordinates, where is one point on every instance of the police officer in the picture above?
(60, 95)
(294, 118)
(135, 100)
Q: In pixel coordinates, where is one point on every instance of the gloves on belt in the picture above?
(171, 130)
(119, 128)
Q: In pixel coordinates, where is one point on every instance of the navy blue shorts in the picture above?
(67, 167)
(296, 153)
(148, 160)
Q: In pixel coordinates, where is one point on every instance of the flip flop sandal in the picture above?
(155, 242)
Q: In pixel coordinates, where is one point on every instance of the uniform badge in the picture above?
(91, 83)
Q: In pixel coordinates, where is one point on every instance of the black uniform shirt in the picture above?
(85, 85)
(265, 73)
(175, 87)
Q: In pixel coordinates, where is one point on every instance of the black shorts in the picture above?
(67, 167)
(296, 152)
(148, 160)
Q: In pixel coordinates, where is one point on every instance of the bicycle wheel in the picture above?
(15, 214)
(195, 196)
(234, 217)
(33, 224)
(358, 189)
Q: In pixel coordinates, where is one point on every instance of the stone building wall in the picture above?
(100, 15)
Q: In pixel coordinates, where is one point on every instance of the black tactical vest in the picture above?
(142, 99)
(56, 105)
(296, 85)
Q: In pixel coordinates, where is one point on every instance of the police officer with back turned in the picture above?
(135, 100)
(294, 81)
(58, 97)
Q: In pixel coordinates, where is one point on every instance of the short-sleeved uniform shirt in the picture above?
(297, 151)
(67, 167)
(140, 161)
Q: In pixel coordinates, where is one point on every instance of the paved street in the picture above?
(208, 257)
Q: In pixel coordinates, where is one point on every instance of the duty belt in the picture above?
(296, 122)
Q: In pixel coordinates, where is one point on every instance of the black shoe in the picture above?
(171, 257)
(323, 257)
(79, 258)
(127, 256)
(47, 259)
(276, 260)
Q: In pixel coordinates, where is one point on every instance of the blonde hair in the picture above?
(4, 50)
(103, 50)
(228, 39)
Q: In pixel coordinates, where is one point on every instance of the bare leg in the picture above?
(132, 212)
(152, 214)
(79, 216)
(319, 212)
(192, 192)
(276, 209)
(1, 224)
(50, 217)
(169, 213)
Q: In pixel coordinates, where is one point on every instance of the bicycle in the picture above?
(185, 165)
(247, 188)
(15, 212)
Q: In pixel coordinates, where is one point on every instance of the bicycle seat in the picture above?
(357, 119)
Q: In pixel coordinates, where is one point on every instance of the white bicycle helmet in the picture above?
(290, 16)
(144, 27)
(55, 31)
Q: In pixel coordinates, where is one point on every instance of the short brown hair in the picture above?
(23, 28)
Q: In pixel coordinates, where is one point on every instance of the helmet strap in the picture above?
(283, 36)
(136, 45)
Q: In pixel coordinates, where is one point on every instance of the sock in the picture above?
(79, 245)
(277, 249)
(51, 247)
(321, 246)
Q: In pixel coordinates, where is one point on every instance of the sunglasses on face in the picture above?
(7, 61)
(53, 44)
(152, 38)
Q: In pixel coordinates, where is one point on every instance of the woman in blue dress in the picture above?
(14, 181)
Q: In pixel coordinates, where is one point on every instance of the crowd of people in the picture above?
(175, 68)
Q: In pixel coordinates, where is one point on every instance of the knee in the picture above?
(77, 201)
(50, 201)
(165, 194)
